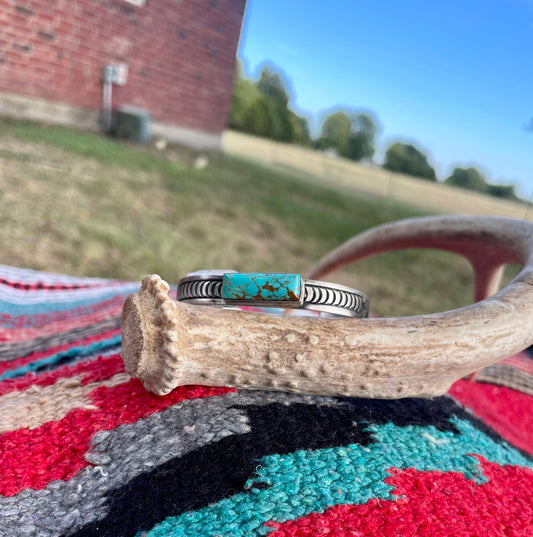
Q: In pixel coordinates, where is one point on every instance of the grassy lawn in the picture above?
(80, 203)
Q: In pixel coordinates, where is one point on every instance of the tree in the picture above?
(244, 98)
(362, 137)
(406, 158)
(503, 191)
(300, 129)
(272, 85)
(350, 133)
(335, 132)
(261, 108)
(470, 178)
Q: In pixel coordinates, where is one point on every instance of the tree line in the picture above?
(261, 107)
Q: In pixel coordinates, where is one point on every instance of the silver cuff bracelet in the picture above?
(271, 290)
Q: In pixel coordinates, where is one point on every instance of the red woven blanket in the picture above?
(86, 451)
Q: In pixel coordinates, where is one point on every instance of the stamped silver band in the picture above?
(330, 298)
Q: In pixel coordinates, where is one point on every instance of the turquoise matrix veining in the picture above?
(262, 286)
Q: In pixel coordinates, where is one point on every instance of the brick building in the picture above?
(180, 57)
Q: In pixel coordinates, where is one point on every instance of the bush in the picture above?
(503, 191)
(469, 178)
(406, 158)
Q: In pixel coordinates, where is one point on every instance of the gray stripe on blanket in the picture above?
(128, 451)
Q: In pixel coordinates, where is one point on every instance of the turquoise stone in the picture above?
(262, 287)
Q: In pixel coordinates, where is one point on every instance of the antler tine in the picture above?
(488, 243)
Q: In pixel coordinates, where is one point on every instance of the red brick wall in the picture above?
(180, 54)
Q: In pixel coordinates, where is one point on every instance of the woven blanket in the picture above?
(86, 451)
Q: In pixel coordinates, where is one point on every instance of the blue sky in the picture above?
(454, 76)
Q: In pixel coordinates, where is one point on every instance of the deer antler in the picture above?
(168, 343)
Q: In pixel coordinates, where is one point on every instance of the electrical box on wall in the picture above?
(116, 73)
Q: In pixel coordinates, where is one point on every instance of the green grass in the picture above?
(81, 203)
